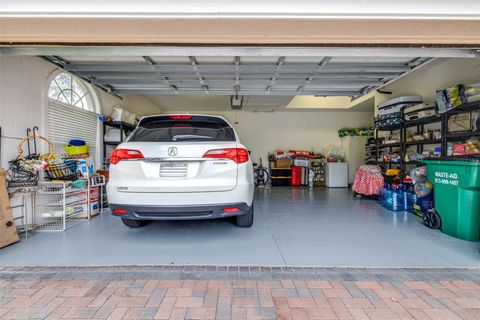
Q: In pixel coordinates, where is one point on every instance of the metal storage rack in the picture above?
(403, 144)
(97, 182)
(446, 135)
(420, 125)
(378, 146)
(318, 168)
(59, 205)
(125, 129)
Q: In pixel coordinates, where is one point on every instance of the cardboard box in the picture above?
(8, 231)
(283, 163)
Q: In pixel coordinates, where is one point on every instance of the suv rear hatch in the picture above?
(178, 153)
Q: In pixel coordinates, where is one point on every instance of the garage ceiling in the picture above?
(242, 75)
(246, 71)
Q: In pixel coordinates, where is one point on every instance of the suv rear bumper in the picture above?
(242, 193)
(189, 212)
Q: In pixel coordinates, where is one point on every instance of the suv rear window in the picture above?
(181, 129)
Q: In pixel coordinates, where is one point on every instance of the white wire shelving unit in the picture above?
(96, 185)
(60, 205)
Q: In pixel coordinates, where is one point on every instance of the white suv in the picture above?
(180, 167)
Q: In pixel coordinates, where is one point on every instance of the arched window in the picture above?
(70, 90)
(72, 114)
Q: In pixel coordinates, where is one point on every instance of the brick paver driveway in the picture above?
(238, 293)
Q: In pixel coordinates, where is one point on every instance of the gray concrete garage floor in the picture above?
(295, 227)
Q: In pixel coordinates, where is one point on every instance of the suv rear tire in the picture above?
(246, 220)
(134, 223)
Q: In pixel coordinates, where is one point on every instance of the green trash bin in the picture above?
(457, 195)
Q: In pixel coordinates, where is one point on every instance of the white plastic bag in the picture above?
(120, 114)
(311, 176)
(113, 135)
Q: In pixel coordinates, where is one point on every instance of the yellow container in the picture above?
(76, 150)
(392, 172)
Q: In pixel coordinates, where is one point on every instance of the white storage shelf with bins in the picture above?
(60, 205)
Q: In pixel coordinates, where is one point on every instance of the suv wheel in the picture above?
(134, 223)
(246, 220)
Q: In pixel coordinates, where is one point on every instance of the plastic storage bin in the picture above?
(301, 162)
(457, 196)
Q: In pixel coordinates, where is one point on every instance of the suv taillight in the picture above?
(239, 155)
(119, 154)
(180, 117)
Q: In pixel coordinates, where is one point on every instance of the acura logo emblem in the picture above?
(172, 151)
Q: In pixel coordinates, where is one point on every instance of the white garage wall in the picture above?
(265, 132)
(140, 105)
(24, 83)
(23, 100)
(437, 75)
